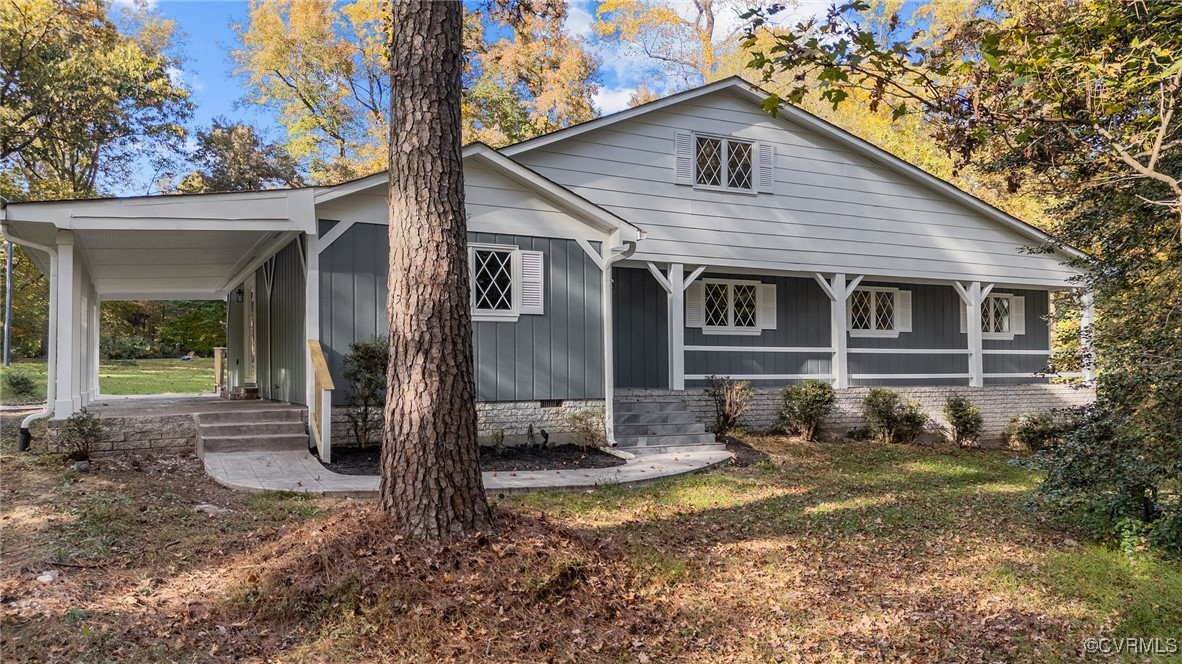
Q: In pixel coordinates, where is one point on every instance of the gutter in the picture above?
(51, 364)
(609, 368)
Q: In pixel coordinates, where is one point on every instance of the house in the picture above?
(617, 262)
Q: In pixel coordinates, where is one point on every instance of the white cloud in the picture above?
(579, 19)
(610, 100)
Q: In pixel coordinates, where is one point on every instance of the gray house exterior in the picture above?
(690, 237)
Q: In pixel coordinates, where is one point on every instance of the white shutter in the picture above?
(765, 298)
(1018, 315)
(533, 283)
(964, 317)
(683, 147)
(695, 306)
(903, 311)
(767, 167)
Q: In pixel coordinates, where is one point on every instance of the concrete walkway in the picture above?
(300, 472)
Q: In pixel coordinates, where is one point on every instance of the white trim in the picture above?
(693, 277)
(261, 253)
(334, 234)
(675, 287)
(874, 331)
(910, 351)
(759, 349)
(874, 334)
(590, 251)
(986, 295)
(1028, 374)
(905, 376)
(763, 376)
(724, 164)
(1003, 351)
(656, 272)
(1087, 323)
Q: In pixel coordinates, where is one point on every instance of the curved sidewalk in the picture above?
(301, 472)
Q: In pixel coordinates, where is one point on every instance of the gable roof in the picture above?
(579, 207)
(758, 96)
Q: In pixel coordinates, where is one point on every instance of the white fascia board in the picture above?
(275, 210)
(265, 249)
(714, 266)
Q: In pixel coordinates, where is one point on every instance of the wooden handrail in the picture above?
(320, 365)
(320, 410)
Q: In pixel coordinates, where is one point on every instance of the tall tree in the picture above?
(321, 65)
(430, 471)
(684, 41)
(84, 89)
(232, 157)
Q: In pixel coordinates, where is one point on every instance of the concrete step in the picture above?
(266, 443)
(629, 442)
(251, 416)
(670, 417)
(675, 449)
(650, 407)
(252, 429)
(659, 428)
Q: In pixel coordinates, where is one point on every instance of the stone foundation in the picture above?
(998, 404)
(154, 433)
(513, 418)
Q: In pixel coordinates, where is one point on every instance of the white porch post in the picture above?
(67, 325)
(95, 344)
(839, 293)
(676, 326)
(84, 345)
(972, 297)
(1087, 323)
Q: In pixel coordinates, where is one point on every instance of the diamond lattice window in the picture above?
(717, 305)
(493, 280)
(724, 163)
(873, 310)
(861, 315)
(739, 165)
(995, 315)
(709, 162)
(745, 305)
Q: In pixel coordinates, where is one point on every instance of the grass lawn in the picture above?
(823, 552)
(155, 376)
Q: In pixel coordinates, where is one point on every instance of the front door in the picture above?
(250, 356)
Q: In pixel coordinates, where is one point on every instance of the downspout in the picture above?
(617, 254)
(51, 363)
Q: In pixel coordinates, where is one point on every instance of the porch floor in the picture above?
(300, 472)
(150, 405)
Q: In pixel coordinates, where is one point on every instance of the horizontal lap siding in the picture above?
(833, 209)
(558, 355)
(640, 329)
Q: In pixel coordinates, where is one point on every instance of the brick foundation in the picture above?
(998, 404)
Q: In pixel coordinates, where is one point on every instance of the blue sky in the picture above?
(208, 38)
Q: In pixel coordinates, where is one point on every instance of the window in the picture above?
(724, 164)
(728, 306)
(879, 312)
(1003, 316)
(506, 282)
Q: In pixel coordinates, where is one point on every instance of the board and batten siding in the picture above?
(640, 324)
(556, 355)
(833, 210)
(282, 343)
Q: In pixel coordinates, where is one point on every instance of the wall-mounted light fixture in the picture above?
(239, 294)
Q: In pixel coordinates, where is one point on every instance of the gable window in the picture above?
(506, 282)
(724, 163)
(1003, 316)
(878, 312)
(731, 306)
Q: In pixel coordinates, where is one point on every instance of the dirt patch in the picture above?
(354, 461)
(744, 454)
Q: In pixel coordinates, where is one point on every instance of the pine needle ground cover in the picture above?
(822, 552)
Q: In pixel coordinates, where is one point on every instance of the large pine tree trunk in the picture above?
(430, 461)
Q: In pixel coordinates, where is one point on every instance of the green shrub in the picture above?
(804, 406)
(18, 384)
(365, 370)
(965, 419)
(79, 433)
(731, 399)
(891, 418)
(1038, 431)
(587, 428)
(129, 347)
(1098, 474)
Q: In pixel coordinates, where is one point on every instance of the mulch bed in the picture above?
(355, 461)
(745, 455)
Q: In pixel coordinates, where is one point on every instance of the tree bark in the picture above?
(431, 483)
